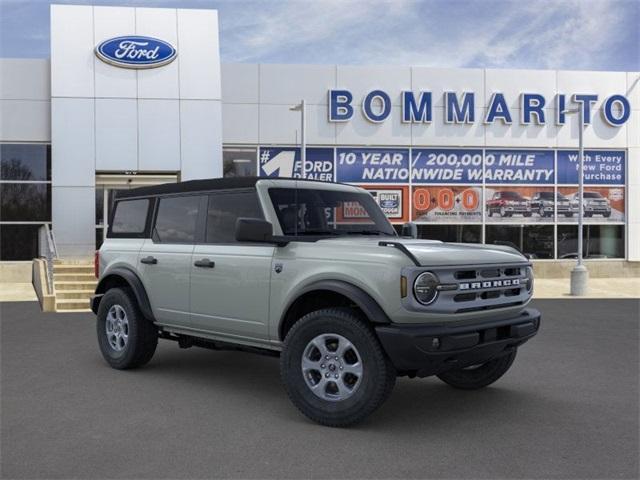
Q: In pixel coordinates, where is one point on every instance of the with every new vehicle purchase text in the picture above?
(280, 267)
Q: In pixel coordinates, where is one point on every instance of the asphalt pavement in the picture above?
(568, 408)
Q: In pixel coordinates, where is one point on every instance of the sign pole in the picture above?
(303, 139)
(580, 274)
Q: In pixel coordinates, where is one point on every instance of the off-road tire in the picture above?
(606, 214)
(480, 377)
(378, 378)
(142, 334)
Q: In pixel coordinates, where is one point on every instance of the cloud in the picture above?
(544, 34)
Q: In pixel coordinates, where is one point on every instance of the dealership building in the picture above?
(470, 155)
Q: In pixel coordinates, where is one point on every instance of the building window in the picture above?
(536, 241)
(239, 162)
(18, 242)
(451, 233)
(598, 241)
(25, 198)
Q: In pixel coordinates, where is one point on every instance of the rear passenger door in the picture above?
(230, 281)
(165, 259)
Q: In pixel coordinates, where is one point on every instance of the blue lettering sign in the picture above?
(498, 109)
(456, 113)
(561, 101)
(601, 167)
(460, 109)
(135, 51)
(286, 163)
(585, 101)
(340, 109)
(385, 106)
(447, 166)
(372, 165)
(612, 118)
(419, 112)
(518, 166)
(532, 105)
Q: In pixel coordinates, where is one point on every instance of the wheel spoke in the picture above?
(308, 364)
(320, 344)
(343, 347)
(355, 369)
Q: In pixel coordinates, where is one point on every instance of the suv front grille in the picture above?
(481, 287)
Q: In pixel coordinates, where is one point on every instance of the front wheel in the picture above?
(479, 376)
(334, 369)
(126, 338)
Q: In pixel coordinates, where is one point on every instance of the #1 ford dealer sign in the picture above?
(136, 52)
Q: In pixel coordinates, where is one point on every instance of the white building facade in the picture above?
(472, 155)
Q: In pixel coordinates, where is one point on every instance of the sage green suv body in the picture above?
(312, 272)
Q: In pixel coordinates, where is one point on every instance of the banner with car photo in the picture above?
(447, 204)
(504, 204)
(601, 204)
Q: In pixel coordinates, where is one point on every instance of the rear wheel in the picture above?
(334, 369)
(126, 338)
(479, 376)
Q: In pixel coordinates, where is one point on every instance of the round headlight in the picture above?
(424, 288)
(529, 279)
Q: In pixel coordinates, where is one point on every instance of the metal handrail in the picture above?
(50, 253)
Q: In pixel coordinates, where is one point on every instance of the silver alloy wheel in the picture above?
(332, 367)
(117, 328)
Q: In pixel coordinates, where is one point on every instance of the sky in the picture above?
(533, 34)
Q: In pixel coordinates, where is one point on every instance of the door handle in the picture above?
(204, 263)
(149, 260)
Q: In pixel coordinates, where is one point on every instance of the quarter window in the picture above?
(224, 209)
(130, 216)
(176, 220)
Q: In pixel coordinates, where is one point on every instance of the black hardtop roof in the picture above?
(197, 186)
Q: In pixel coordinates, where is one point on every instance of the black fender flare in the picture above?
(362, 299)
(133, 281)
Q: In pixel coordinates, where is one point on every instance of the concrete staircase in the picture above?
(73, 285)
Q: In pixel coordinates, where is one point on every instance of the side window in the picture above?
(130, 216)
(176, 219)
(224, 210)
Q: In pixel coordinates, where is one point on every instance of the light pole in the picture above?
(303, 140)
(580, 274)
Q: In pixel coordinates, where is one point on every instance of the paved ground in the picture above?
(598, 288)
(567, 409)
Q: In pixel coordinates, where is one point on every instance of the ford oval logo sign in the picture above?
(134, 51)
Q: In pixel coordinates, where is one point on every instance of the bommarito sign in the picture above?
(460, 108)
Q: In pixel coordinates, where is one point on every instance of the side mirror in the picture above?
(410, 230)
(253, 230)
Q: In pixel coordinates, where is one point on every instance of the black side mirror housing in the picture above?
(253, 230)
(410, 230)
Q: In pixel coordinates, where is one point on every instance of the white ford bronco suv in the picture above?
(312, 272)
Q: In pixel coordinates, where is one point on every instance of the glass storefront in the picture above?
(25, 198)
(523, 198)
(239, 162)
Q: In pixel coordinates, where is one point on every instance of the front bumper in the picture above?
(602, 210)
(517, 209)
(426, 350)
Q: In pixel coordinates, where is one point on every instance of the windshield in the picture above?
(328, 212)
(512, 196)
(592, 195)
(546, 195)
